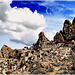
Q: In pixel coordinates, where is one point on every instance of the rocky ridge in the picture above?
(67, 35)
(44, 57)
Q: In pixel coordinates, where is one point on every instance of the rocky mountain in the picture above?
(44, 57)
(67, 35)
(42, 41)
(1, 55)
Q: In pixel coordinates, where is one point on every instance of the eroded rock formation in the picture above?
(58, 38)
(42, 41)
(5, 50)
(67, 34)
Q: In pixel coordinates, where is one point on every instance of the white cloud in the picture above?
(26, 17)
(20, 24)
(50, 34)
(6, 1)
(3, 8)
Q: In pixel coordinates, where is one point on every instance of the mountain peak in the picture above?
(67, 22)
(42, 41)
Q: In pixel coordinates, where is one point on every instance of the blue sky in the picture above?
(23, 20)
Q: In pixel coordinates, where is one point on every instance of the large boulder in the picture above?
(5, 50)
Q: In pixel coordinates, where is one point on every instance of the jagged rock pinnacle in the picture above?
(42, 41)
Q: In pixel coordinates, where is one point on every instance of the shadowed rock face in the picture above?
(58, 38)
(69, 30)
(66, 27)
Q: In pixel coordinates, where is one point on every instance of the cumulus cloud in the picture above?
(20, 24)
(26, 17)
(3, 8)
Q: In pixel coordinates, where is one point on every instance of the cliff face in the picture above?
(67, 34)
